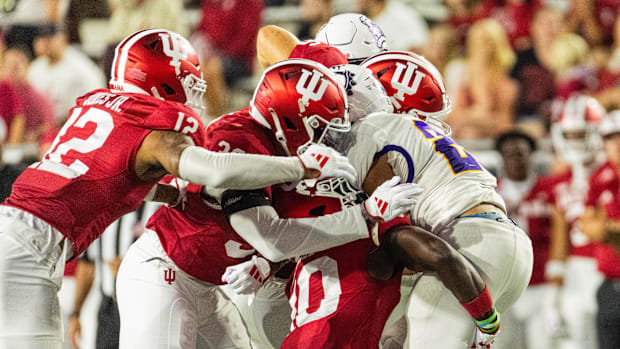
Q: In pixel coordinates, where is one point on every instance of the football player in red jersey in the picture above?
(116, 145)
(168, 290)
(527, 196)
(601, 222)
(572, 264)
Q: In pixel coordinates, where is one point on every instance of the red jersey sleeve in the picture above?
(319, 52)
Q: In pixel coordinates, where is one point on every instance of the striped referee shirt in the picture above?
(115, 241)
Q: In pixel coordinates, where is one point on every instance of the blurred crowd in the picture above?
(513, 69)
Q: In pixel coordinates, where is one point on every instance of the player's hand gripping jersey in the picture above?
(87, 180)
(331, 293)
(452, 179)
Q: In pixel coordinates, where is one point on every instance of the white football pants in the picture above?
(268, 317)
(502, 254)
(161, 306)
(32, 263)
(578, 302)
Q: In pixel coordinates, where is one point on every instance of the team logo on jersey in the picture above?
(169, 276)
(313, 90)
(172, 48)
(405, 84)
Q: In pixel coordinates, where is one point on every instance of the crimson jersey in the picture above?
(530, 207)
(197, 235)
(87, 180)
(319, 52)
(570, 200)
(336, 304)
(605, 192)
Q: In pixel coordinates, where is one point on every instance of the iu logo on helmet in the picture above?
(313, 91)
(173, 49)
(404, 83)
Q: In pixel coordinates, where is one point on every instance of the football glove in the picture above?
(328, 162)
(390, 200)
(247, 277)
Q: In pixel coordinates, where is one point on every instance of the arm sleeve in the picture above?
(280, 238)
(237, 171)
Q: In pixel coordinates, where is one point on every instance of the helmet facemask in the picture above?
(322, 131)
(195, 89)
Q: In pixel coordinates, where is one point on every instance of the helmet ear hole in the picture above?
(289, 124)
(167, 89)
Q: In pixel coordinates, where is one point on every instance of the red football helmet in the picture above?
(413, 83)
(574, 129)
(160, 63)
(300, 101)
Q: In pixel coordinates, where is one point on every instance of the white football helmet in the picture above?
(575, 129)
(355, 35)
(610, 123)
(365, 93)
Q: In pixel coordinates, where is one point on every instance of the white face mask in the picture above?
(195, 89)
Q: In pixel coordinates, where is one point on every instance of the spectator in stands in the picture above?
(569, 56)
(601, 222)
(315, 13)
(226, 43)
(104, 258)
(403, 27)
(129, 16)
(533, 321)
(532, 71)
(8, 172)
(61, 72)
(23, 19)
(37, 110)
(516, 17)
(441, 46)
(463, 13)
(483, 92)
(11, 114)
(593, 19)
(609, 75)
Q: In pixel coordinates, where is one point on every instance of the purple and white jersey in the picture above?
(452, 179)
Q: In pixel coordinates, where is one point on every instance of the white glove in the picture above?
(328, 162)
(391, 199)
(247, 277)
(484, 340)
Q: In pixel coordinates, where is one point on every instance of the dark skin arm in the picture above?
(420, 250)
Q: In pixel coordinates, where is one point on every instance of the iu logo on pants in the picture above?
(170, 276)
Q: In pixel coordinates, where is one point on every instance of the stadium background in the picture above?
(507, 64)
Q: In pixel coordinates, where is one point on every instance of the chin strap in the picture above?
(279, 133)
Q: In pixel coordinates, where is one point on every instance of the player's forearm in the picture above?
(84, 276)
(279, 238)
(237, 171)
(421, 250)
